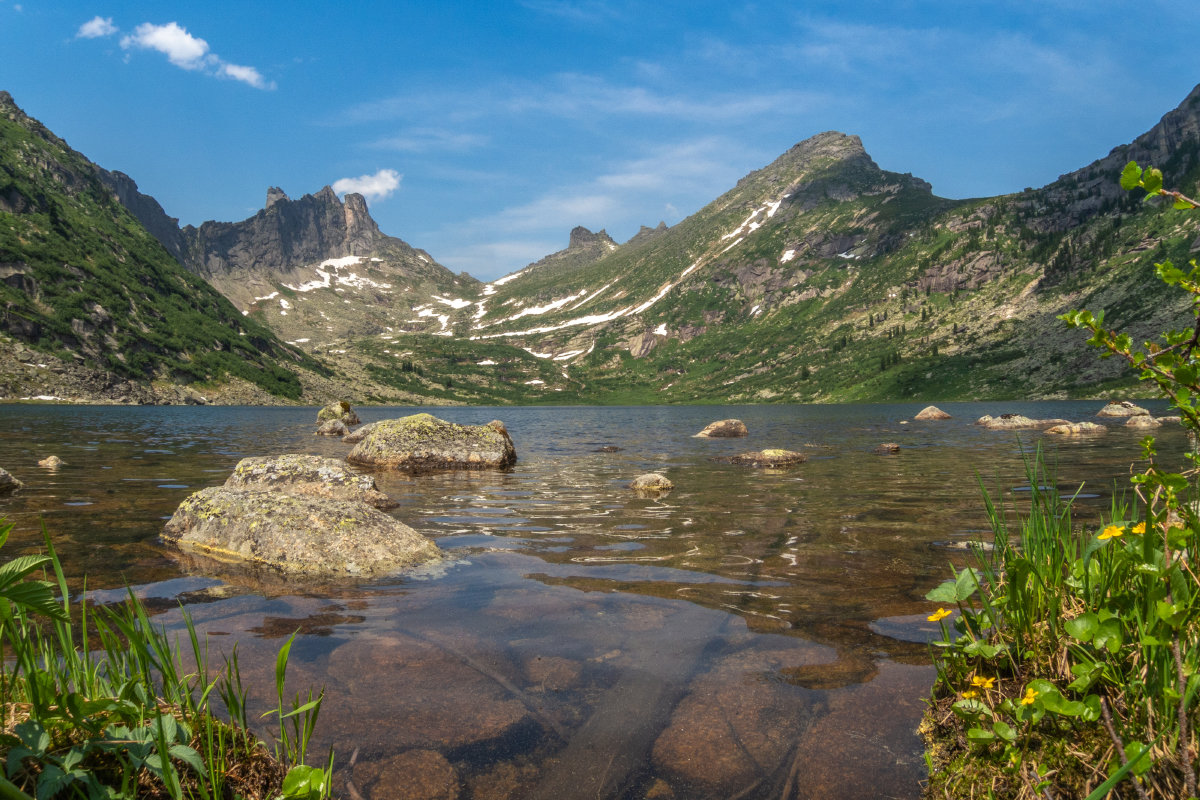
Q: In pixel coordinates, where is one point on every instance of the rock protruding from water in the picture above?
(51, 462)
(423, 443)
(8, 483)
(333, 427)
(723, 429)
(1017, 422)
(357, 436)
(652, 482)
(1078, 429)
(340, 410)
(309, 476)
(931, 412)
(297, 535)
(1122, 408)
(887, 449)
(1142, 422)
(766, 458)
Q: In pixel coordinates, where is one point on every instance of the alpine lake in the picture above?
(752, 634)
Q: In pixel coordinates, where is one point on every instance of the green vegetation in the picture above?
(97, 703)
(1074, 665)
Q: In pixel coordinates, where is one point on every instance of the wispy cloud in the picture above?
(373, 187)
(582, 11)
(96, 28)
(180, 47)
(425, 140)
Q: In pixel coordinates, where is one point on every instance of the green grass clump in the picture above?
(97, 703)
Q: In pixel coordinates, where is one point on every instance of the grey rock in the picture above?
(296, 535)
(1077, 429)
(652, 482)
(307, 475)
(422, 442)
(1016, 422)
(334, 427)
(725, 428)
(1122, 408)
(8, 483)
(340, 410)
(357, 436)
(1143, 422)
(931, 412)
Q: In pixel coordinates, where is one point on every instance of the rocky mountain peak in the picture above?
(581, 237)
(275, 195)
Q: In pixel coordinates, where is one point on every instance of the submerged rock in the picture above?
(339, 411)
(296, 534)
(931, 412)
(766, 458)
(652, 482)
(51, 462)
(413, 775)
(1077, 429)
(1121, 408)
(8, 483)
(722, 429)
(311, 476)
(422, 442)
(334, 427)
(609, 448)
(1016, 422)
(357, 436)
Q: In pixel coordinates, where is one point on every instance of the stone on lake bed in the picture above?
(424, 443)
(1077, 429)
(413, 774)
(339, 411)
(296, 535)
(766, 458)
(313, 476)
(334, 427)
(8, 483)
(931, 412)
(652, 482)
(723, 429)
(1121, 408)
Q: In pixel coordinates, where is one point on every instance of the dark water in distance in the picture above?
(754, 633)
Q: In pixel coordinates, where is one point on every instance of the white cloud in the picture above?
(373, 187)
(185, 51)
(180, 47)
(424, 140)
(96, 28)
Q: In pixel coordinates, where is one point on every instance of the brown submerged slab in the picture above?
(765, 458)
(424, 443)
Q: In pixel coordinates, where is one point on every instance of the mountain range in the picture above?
(818, 278)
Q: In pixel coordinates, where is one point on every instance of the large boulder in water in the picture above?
(1121, 408)
(311, 476)
(723, 429)
(931, 412)
(8, 483)
(422, 442)
(1142, 422)
(357, 436)
(339, 411)
(297, 535)
(1017, 422)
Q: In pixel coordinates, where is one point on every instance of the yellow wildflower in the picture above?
(983, 683)
(1111, 532)
(938, 615)
(970, 694)
(1139, 529)
(1030, 694)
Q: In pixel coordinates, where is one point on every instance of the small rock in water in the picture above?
(887, 448)
(931, 412)
(1016, 422)
(725, 428)
(8, 483)
(1077, 429)
(766, 458)
(340, 410)
(1121, 408)
(1142, 422)
(609, 448)
(51, 462)
(334, 427)
(422, 442)
(652, 482)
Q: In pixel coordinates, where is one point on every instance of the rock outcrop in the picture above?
(931, 412)
(297, 535)
(725, 428)
(422, 442)
(305, 475)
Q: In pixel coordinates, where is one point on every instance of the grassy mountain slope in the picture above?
(82, 279)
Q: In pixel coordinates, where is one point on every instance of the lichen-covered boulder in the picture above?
(723, 429)
(766, 458)
(312, 536)
(422, 442)
(652, 482)
(354, 437)
(1142, 422)
(1016, 422)
(1121, 408)
(334, 427)
(931, 412)
(51, 462)
(311, 476)
(340, 410)
(1077, 429)
(8, 483)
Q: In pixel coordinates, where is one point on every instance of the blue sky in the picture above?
(483, 132)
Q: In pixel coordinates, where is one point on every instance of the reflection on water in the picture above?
(754, 633)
